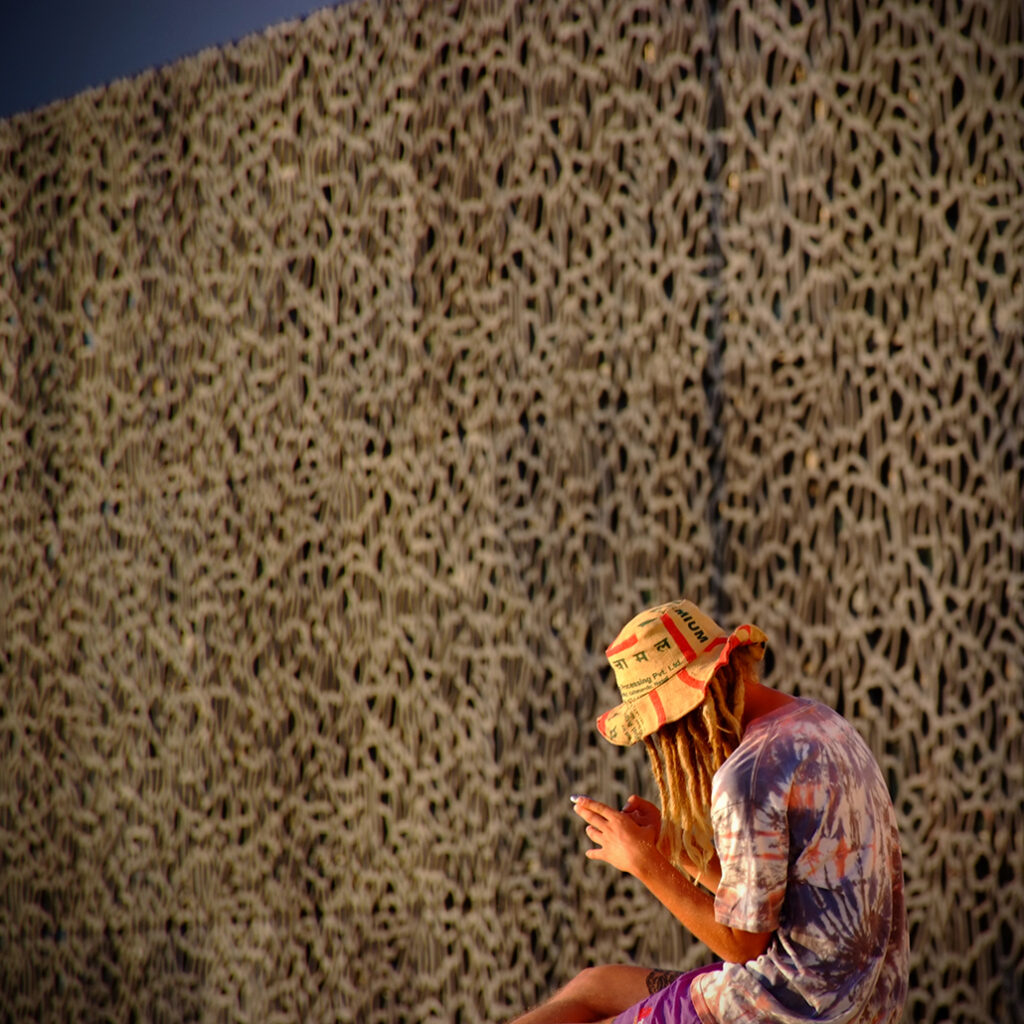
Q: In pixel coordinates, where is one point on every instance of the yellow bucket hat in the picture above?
(663, 661)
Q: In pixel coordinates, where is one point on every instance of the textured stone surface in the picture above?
(358, 381)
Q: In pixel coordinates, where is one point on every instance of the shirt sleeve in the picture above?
(752, 841)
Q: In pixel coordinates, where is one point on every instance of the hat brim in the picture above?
(632, 721)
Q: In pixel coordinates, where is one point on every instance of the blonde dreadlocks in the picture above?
(685, 755)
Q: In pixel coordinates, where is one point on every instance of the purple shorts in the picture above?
(672, 1005)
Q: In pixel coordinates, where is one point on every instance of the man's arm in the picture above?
(648, 817)
(630, 848)
(692, 906)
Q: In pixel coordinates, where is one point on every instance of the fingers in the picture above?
(634, 801)
(643, 812)
(598, 817)
(590, 810)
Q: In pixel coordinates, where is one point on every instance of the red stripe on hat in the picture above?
(721, 641)
(612, 651)
(732, 643)
(697, 684)
(681, 642)
(659, 708)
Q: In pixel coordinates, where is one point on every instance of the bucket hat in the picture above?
(663, 660)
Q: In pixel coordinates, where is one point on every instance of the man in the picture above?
(777, 807)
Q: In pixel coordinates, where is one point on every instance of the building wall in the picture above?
(358, 381)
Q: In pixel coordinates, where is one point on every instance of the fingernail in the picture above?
(575, 797)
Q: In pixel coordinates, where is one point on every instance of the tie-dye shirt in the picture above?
(806, 833)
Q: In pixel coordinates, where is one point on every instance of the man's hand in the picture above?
(620, 840)
(644, 813)
(627, 840)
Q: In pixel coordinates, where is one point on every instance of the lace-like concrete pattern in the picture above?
(358, 381)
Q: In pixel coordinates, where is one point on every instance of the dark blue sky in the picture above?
(52, 49)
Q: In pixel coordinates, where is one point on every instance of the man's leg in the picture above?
(595, 994)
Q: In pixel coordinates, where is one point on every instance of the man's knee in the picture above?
(599, 989)
(588, 981)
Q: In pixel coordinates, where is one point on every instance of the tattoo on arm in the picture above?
(657, 980)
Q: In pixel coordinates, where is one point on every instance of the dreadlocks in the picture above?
(685, 755)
